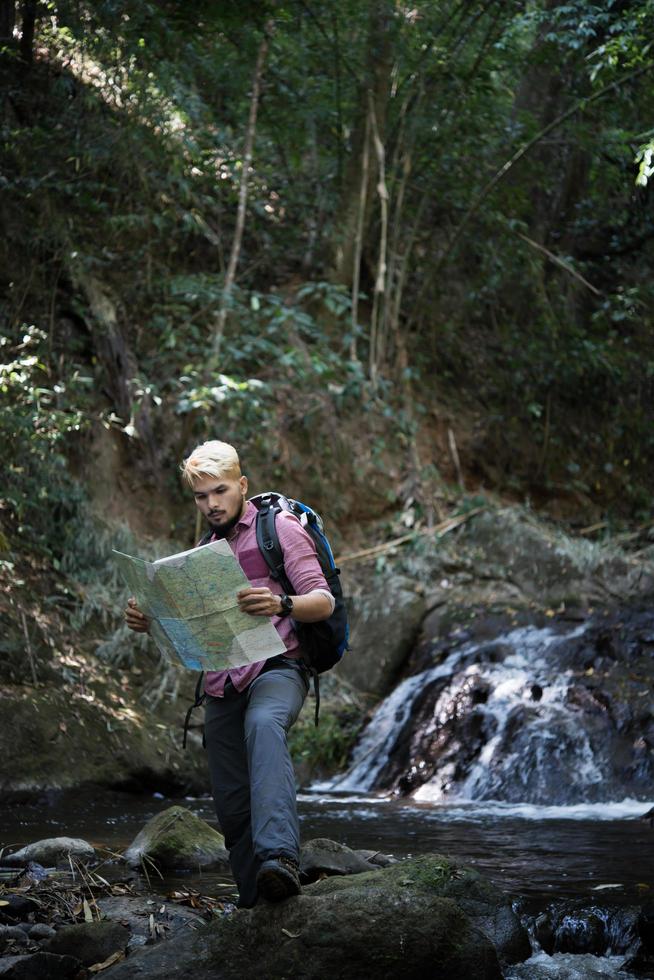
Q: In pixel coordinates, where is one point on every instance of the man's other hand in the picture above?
(135, 619)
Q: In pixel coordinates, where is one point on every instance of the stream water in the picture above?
(511, 756)
(582, 851)
(599, 854)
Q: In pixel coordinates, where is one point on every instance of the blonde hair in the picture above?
(213, 458)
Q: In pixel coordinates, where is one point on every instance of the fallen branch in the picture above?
(439, 530)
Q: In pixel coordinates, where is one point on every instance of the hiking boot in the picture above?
(279, 878)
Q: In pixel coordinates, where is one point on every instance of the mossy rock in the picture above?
(177, 838)
(400, 921)
(356, 935)
(487, 907)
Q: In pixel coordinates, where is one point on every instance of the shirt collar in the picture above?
(247, 520)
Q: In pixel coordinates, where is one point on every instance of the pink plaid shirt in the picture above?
(302, 569)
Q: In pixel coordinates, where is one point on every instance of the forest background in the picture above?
(399, 254)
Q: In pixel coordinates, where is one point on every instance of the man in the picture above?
(249, 710)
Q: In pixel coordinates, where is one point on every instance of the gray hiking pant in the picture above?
(251, 772)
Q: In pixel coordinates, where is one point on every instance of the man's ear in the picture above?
(244, 485)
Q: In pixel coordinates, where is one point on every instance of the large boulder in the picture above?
(487, 907)
(176, 838)
(545, 564)
(52, 851)
(384, 625)
(394, 922)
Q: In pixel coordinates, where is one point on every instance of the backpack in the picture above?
(324, 643)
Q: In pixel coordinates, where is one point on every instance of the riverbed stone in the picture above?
(18, 906)
(176, 838)
(52, 851)
(41, 930)
(390, 922)
(377, 858)
(89, 942)
(41, 966)
(321, 857)
(486, 906)
(13, 934)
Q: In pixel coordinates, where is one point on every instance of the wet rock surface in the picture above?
(89, 942)
(41, 966)
(321, 857)
(485, 905)
(389, 922)
(52, 851)
(559, 711)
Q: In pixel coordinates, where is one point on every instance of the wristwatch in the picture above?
(286, 604)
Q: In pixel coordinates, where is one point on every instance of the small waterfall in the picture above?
(512, 720)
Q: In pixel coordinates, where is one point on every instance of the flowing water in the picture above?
(535, 715)
(585, 851)
(492, 757)
(598, 854)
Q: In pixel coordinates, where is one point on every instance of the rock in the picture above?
(385, 623)
(488, 909)
(376, 858)
(51, 851)
(546, 564)
(135, 911)
(394, 922)
(40, 966)
(326, 857)
(12, 934)
(19, 906)
(645, 926)
(41, 930)
(89, 942)
(362, 934)
(176, 838)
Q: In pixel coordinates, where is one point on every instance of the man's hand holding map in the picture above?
(191, 601)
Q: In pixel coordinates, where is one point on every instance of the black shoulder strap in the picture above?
(200, 697)
(268, 541)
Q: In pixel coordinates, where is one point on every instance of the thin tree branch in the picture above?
(560, 262)
(579, 106)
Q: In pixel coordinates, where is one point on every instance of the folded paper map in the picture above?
(191, 601)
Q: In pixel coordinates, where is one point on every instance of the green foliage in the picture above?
(325, 748)
(40, 498)
(123, 153)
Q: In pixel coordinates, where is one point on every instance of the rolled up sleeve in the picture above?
(300, 559)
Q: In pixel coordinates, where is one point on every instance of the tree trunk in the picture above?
(7, 20)
(230, 275)
(373, 91)
(7, 24)
(28, 13)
